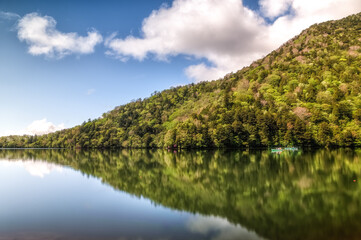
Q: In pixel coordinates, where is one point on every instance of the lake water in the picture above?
(144, 194)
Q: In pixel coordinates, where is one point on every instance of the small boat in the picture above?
(279, 150)
(291, 148)
(276, 150)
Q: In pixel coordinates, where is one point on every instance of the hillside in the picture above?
(305, 93)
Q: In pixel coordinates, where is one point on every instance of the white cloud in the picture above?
(274, 8)
(37, 127)
(43, 38)
(220, 228)
(225, 32)
(8, 15)
(214, 29)
(202, 71)
(40, 127)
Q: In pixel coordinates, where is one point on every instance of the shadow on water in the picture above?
(293, 195)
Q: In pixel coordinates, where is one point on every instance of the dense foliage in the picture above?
(308, 195)
(307, 92)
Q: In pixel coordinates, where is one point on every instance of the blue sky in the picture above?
(136, 47)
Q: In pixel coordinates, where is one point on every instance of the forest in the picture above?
(305, 93)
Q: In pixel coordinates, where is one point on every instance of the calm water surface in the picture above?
(142, 194)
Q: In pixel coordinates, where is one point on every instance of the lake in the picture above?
(157, 194)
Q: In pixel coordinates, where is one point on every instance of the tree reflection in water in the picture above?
(294, 195)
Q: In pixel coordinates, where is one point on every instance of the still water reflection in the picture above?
(142, 194)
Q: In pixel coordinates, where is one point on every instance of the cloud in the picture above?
(9, 15)
(37, 127)
(224, 32)
(308, 12)
(220, 229)
(40, 127)
(43, 38)
(274, 8)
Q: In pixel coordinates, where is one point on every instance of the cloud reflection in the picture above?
(35, 168)
(219, 229)
(40, 169)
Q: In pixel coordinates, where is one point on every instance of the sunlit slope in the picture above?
(307, 92)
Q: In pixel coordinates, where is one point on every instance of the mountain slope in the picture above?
(307, 92)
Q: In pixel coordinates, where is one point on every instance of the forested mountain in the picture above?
(305, 93)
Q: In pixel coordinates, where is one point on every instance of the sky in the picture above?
(64, 62)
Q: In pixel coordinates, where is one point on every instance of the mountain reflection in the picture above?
(294, 195)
